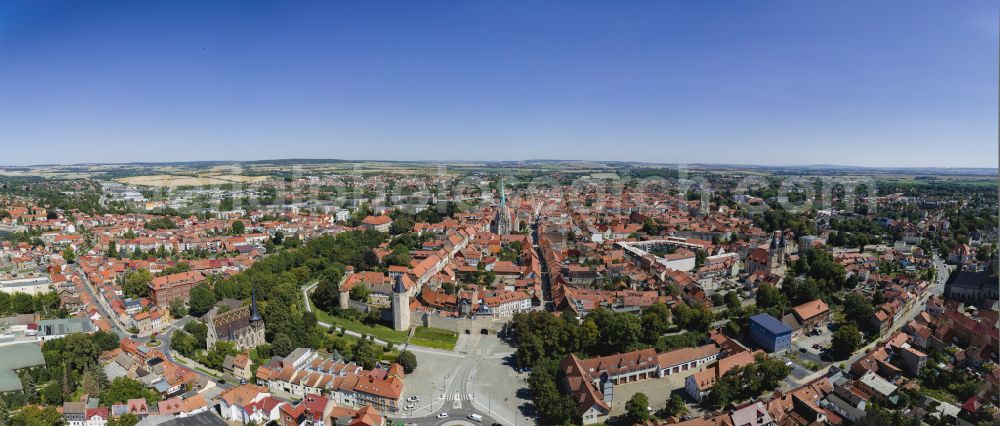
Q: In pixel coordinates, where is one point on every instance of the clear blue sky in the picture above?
(886, 83)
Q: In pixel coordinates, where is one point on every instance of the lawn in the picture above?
(938, 394)
(352, 340)
(423, 336)
(380, 332)
(210, 373)
(434, 338)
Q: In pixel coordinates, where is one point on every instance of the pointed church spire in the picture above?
(503, 194)
(501, 223)
(254, 314)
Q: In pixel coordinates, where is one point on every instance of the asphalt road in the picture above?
(164, 333)
(458, 400)
(936, 288)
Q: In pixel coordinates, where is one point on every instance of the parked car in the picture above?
(408, 407)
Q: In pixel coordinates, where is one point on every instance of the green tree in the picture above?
(309, 321)
(127, 419)
(201, 300)
(22, 303)
(37, 416)
(177, 308)
(123, 389)
(769, 296)
(367, 354)
(160, 223)
(655, 321)
(749, 381)
(238, 228)
(69, 254)
(200, 332)
(620, 331)
(282, 345)
(650, 227)
(699, 258)
(587, 335)
(400, 256)
(4, 413)
(217, 356)
(554, 406)
(52, 393)
(105, 341)
(675, 406)
(100, 377)
(184, 343)
(637, 408)
(176, 269)
(858, 309)
(846, 340)
(90, 384)
(408, 360)
(359, 293)
(79, 351)
(136, 283)
(733, 301)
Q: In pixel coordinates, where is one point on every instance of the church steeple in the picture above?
(503, 195)
(502, 223)
(254, 313)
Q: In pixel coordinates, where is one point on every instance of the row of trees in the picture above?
(46, 304)
(540, 335)
(70, 368)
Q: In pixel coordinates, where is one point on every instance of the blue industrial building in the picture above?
(769, 333)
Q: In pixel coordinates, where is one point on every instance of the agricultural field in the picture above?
(171, 181)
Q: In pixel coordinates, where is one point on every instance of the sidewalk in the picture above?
(194, 365)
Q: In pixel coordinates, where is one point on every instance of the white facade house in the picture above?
(31, 286)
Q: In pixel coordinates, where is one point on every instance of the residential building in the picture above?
(807, 316)
(378, 223)
(164, 289)
(75, 413)
(238, 366)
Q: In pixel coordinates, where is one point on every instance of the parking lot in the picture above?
(814, 345)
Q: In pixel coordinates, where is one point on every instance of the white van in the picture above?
(475, 417)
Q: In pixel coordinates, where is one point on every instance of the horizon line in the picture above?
(526, 160)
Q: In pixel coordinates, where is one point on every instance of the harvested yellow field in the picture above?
(241, 179)
(171, 181)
